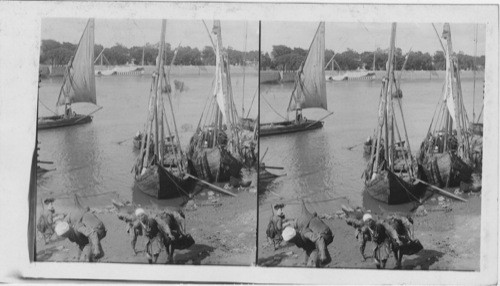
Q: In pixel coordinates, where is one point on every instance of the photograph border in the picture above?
(20, 38)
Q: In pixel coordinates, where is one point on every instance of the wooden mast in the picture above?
(390, 109)
(383, 107)
(153, 108)
(159, 88)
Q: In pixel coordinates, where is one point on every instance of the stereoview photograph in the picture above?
(371, 135)
(147, 141)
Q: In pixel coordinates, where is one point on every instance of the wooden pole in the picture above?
(262, 158)
(211, 185)
(441, 191)
(376, 143)
(273, 167)
(390, 108)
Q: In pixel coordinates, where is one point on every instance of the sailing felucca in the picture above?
(78, 84)
(309, 91)
(391, 172)
(161, 172)
(446, 153)
(354, 75)
(215, 150)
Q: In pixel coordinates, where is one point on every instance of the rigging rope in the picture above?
(265, 100)
(251, 105)
(41, 102)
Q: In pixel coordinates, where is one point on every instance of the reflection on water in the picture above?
(95, 160)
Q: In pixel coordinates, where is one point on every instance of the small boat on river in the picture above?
(309, 91)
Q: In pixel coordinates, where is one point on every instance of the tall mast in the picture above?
(244, 65)
(384, 106)
(454, 92)
(159, 87)
(475, 69)
(390, 110)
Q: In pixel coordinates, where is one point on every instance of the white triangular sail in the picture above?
(310, 85)
(79, 82)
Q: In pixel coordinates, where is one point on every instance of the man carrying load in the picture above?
(310, 233)
(83, 228)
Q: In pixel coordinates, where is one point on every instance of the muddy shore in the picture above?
(223, 227)
(448, 230)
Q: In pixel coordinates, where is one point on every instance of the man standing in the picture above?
(275, 225)
(45, 224)
(83, 227)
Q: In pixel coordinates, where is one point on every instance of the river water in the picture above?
(95, 160)
(319, 167)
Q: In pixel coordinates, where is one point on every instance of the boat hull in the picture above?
(446, 170)
(59, 121)
(284, 127)
(159, 183)
(215, 165)
(389, 188)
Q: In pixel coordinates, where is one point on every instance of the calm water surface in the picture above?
(319, 167)
(95, 160)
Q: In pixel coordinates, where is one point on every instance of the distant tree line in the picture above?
(286, 58)
(55, 53)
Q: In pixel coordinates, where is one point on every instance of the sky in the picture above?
(138, 32)
(339, 36)
(370, 36)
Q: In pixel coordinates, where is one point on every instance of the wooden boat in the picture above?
(353, 75)
(391, 171)
(159, 172)
(283, 127)
(215, 150)
(138, 138)
(447, 153)
(309, 91)
(78, 84)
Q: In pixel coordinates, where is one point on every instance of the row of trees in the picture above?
(286, 58)
(55, 53)
(281, 57)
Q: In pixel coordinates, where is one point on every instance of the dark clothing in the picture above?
(151, 231)
(175, 237)
(46, 222)
(313, 234)
(363, 233)
(148, 229)
(275, 228)
(86, 229)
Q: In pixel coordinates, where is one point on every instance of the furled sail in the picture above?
(219, 74)
(222, 88)
(448, 88)
(79, 82)
(310, 85)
